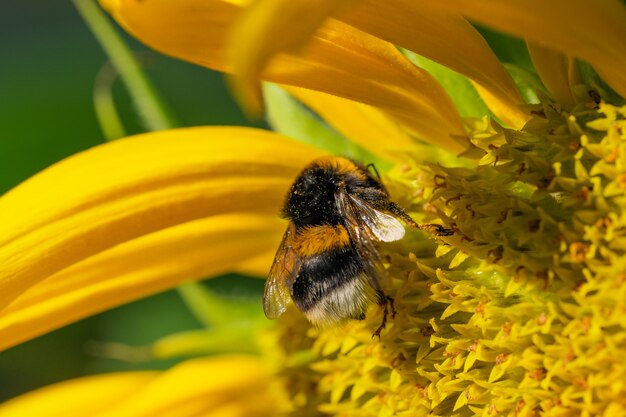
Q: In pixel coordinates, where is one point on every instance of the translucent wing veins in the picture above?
(384, 227)
(277, 296)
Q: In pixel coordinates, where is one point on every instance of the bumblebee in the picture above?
(327, 263)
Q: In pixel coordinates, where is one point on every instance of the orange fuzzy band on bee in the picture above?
(318, 239)
(340, 165)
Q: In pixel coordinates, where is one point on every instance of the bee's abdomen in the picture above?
(330, 286)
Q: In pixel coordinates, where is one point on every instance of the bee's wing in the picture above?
(364, 225)
(276, 295)
(382, 226)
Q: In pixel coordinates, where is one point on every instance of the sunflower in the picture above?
(510, 299)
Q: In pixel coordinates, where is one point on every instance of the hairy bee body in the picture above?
(330, 285)
(327, 264)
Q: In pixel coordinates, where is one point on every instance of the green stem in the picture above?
(198, 301)
(151, 108)
(104, 104)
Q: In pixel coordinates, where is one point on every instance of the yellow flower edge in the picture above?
(263, 29)
(267, 28)
(363, 124)
(226, 385)
(140, 267)
(258, 34)
(592, 31)
(557, 71)
(445, 37)
(340, 60)
(135, 197)
(78, 397)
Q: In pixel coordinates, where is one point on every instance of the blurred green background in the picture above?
(50, 62)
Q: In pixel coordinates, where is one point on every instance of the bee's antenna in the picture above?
(373, 168)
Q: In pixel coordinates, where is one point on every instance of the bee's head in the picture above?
(311, 199)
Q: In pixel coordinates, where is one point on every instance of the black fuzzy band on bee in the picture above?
(328, 282)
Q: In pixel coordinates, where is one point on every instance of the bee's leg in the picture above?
(386, 302)
(393, 308)
(399, 212)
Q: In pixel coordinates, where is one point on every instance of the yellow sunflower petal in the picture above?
(339, 60)
(503, 108)
(120, 191)
(445, 37)
(363, 124)
(590, 30)
(79, 397)
(200, 387)
(266, 28)
(208, 386)
(554, 69)
(140, 267)
(371, 71)
(257, 266)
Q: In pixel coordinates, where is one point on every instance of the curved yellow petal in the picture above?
(363, 68)
(201, 387)
(266, 28)
(363, 124)
(208, 387)
(120, 191)
(140, 267)
(79, 397)
(257, 266)
(512, 115)
(445, 37)
(339, 60)
(554, 69)
(594, 31)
